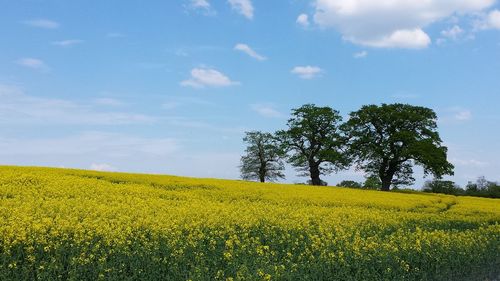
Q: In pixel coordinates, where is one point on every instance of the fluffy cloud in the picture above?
(494, 19)
(67, 43)
(207, 77)
(266, 110)
(202, 6)
(33, 63)
(490, 20)
(243, 7)
(306, 72)
(249, 51)
(42, 23)
(409, 39)
(390, 23)
(303, 20)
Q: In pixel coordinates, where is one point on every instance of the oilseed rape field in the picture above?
(84, 225)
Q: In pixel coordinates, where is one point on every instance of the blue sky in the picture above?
(171, 86)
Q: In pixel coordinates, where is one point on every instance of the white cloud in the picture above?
(67, 43)
(463, 115)
(33, 63)
(102, 167)
(487, 21)
(243, 7)
(360, 55)
(249, 51)
(266, 110)
(207, 77)
(453, 33)
(204, 4)
(494, 19)
(409, 39)
(390, 23)
(42, 23)
(306, 72)
(90, 143)
(303, 20)
(18, 108)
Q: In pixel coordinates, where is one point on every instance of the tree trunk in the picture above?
(387, 178)
(262, 174)
(386, 173)
(314, 171)
(386, 183)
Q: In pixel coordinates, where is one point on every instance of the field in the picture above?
(83, 225)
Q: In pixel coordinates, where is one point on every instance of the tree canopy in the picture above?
(388, 140)
(314, 142)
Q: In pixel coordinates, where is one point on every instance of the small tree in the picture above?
(314, 141)
(372, 182)
(388, 140)
(349, 183)
(263, 158)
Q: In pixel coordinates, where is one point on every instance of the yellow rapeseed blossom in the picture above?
(83, 225)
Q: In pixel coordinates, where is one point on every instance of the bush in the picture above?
(441, 186)
(351, 184)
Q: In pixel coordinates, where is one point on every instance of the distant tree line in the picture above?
(481, 187)
(384, 141)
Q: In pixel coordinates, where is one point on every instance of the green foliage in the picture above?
(372, 182)
(442, 186)
(483, 188)
(349, 183)
(314, 141)
(388, 140)
(263, 158)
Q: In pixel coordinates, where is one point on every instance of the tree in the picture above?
(263, 158)
(314, 142)
(372, 182)
(441, 186)
(351, 184)
(388, 140)
(483, 188)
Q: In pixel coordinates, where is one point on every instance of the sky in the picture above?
(170, 87)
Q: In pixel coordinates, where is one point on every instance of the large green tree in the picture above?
(263, 159)
(314, 142)
(388, 140)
